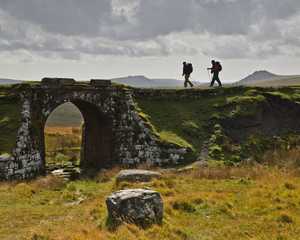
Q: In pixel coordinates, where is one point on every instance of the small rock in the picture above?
(193, 166)
(139, 206)
(200, 164)
(58, 172)
(185, 169)
(66, 174)
(5, 157)
(136, 175)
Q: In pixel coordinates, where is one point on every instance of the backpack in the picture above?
(189, 68)
(218, 66)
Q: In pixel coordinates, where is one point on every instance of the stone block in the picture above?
(52, 82)
(5, 157)
(137, 175)
(138, 206)
(100, 82)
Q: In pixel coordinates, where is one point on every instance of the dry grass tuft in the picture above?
(283, 158)
(106, 175)
(184, 206)
(49, 182)
(226, 172)
(285, 218)
(63, 130)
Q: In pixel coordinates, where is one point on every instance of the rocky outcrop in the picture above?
(138, 206)
(137, 175)
(27, 158)
(5, 159)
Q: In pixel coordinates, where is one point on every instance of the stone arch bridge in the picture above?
(113, 132)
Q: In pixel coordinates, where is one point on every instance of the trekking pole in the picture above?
(209, 77)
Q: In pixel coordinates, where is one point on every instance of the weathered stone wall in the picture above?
(113, 130)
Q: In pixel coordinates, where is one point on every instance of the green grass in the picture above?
(211, 203)
(246, 99)
(183, 122)
(173, 138)
(190, 122)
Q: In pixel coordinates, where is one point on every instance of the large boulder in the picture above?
(138, 206)
(136, 175)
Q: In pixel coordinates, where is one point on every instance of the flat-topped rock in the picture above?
(137, 175)
(5, 157)
(138, 206)
(57, 81)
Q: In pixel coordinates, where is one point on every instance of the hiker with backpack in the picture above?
(187, 70)
(215, 70)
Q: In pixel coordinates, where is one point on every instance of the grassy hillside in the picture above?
(10, 109)
(231, 123)
(208, 203)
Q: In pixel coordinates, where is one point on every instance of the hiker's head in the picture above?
(213, 62)
(184, 63)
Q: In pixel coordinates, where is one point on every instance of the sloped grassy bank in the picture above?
(10, 118)
(207, 203)
(230, 124)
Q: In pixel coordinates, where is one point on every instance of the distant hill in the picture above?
(65, 115)
(9, 81)
(278, 82)
(267, 79)
(258, 76)
(144, 82)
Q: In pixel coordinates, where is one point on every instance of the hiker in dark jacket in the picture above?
(187, 70)
(215, 69)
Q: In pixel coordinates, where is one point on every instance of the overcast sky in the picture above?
(111, 38)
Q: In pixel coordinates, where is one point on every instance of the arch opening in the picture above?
(77, 136)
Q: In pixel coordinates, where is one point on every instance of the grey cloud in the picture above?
(152, 18)
(70, 28)
(221, 17)
(68, 17)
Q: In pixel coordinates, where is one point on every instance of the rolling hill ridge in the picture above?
(264, 78)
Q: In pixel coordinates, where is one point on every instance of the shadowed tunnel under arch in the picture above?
(96, 142)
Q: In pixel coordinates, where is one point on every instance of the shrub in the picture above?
(39, 237)
(49, 182)
(284, 218)
(290, 186)
(184, 206)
